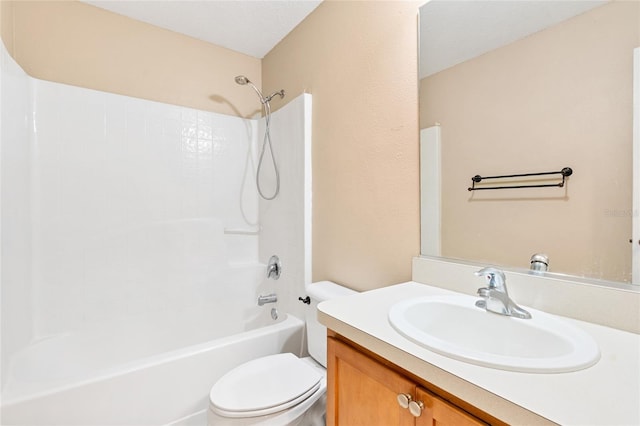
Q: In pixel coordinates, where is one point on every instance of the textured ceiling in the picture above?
(246, 26)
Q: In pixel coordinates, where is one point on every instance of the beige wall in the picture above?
(78, 44)
(6, 24)
(358, 60)
(562, 97)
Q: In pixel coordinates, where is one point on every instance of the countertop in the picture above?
(607, 393)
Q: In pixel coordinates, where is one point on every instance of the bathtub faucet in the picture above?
(269, 298)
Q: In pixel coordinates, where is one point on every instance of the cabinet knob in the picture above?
(404, 399)
(415, 408)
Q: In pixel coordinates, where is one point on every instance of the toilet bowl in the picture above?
(280, 389)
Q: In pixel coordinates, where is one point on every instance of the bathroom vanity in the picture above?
(366, 389)
(374, 371)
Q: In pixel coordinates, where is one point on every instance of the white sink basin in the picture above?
(453, 326)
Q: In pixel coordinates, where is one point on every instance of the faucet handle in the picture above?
(495, 276)
(274, 268)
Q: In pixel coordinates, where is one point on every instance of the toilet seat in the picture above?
(264, 386)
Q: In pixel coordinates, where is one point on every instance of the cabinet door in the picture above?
(439, 412)
(361, 391)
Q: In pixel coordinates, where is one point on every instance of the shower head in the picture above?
(242, 80)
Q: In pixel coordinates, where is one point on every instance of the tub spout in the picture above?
(269, 298)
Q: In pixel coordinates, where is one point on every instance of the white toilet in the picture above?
(281, 389)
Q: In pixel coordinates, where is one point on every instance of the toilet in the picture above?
(281, 389)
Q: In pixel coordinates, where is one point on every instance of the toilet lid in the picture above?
(264, 386)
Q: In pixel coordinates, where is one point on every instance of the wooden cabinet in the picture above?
(362, 391)
(437, 411)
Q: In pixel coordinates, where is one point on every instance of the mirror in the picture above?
(516, 87)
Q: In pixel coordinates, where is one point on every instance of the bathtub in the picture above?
(159, 389)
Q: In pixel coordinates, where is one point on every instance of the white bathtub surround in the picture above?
(130, 233)
(286, 220)
(15, 205)
(130, 202)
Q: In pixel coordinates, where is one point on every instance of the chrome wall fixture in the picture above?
(268, 298)
(540, 262)
(274, 268)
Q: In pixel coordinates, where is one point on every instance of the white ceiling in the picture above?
(252, 27)
(451, 31)
(454, 31)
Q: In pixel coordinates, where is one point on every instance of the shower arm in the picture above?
(271, 96)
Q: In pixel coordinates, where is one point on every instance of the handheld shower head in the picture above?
(266, 107)
(242, 80)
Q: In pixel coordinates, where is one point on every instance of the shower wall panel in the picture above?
(121, 214)
(131, 200)
(15, 265)
(286, 220)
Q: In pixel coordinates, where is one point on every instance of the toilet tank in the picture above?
(316, 332)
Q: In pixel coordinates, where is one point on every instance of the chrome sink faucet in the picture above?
(495, 297)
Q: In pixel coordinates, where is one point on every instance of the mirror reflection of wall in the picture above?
(560, 97)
